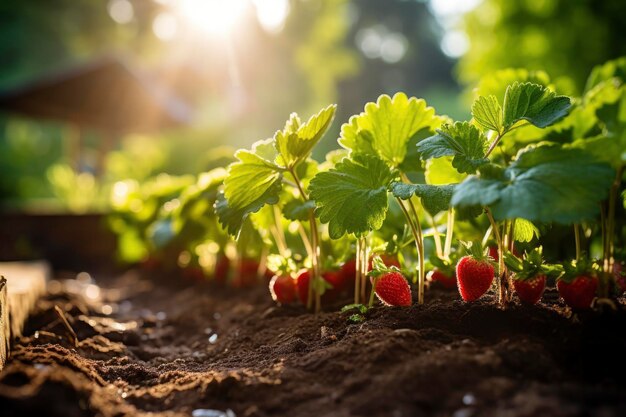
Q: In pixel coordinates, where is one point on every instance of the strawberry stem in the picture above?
(449, 234)
(364, 267)
(436, 236)
(359, 271)
(577, 240)
(416, 230)
(499, 284)
(314, 247)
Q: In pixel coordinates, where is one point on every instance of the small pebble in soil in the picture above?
(463, 412)
(217, 316)
(205, 412)
(161, 315)
(208, 330)
(213, 338)
(469, 399)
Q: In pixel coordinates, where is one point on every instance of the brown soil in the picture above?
(157, 353)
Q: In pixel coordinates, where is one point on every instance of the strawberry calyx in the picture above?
(575, 269)
(478, 252)
(529, 266)
(379, 268)
(446, 266)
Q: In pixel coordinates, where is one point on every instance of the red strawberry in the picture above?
(578, 292)
(474, 274)
(335, 279)
(302, 284)
(348, 271)
(393, 289)
(442, 279)
(248, 273)
(530, 290)
(222, 268)
(283, 289)
(529, 274)
(194, 273)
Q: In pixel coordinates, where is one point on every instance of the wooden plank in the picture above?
(26, 282)
(5, 334)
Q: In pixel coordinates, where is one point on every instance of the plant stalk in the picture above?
(359, 271)
(436, 237)
(449, 233)
(315, 256)
(499, 281)
(417, 236)
(577, 240)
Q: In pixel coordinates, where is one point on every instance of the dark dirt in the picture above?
(166, 351)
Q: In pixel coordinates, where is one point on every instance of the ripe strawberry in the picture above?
(393, 289)
(439, 277)
(529, 274)
(194, 273)
(530, 290)
(348, 272)
(335, 279)
(248, 273)
(578, 285)
(474, 274)
(222, 269)
(302, 284)
(283, 289)
(579, 292)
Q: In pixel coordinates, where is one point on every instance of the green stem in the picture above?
(417, 236)
(372, 292)
(577, 240)
(422, 274)
(449, 232)
(611, 219)
(364, 268)
(315, 258)
(496, 231)
(494, 144)
(436, 237)
(359, 264)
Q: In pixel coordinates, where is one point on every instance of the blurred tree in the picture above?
(566, 38)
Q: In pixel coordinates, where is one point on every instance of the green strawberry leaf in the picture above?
(385, 127)
(434, 198)
(544, 184)
(352, 197)
(487, 113)
(525, 230)
(534, 103)
(461, 140)
(439, 171)
(296, 141)
(610, 69)
(252, 182)
(297, 209)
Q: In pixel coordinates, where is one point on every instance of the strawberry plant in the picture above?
(352, 197)
(529, 274)
(542, 183)
(273, 172)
